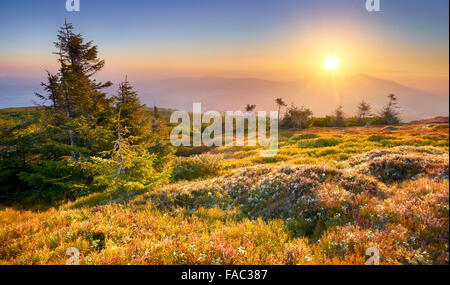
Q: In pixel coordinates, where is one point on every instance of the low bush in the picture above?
(197, 166)
(400, 164)
(298, 194)
(318, 143)
(305, 137)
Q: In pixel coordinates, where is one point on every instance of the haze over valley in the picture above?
(223, 94)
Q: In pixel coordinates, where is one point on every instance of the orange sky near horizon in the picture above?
(292, 48)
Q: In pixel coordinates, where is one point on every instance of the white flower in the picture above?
(241, 250)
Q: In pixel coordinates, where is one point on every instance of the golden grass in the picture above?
(275, 212)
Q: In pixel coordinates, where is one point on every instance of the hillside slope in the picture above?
(315, 203)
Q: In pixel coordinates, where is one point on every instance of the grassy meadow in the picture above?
(325, 198)
(118, 161)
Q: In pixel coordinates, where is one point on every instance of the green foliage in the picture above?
(389, 115)
(297, 117)
(364, 111)
(80, 142)
(65, 179)
(318, 143)
(339, 120)
(164, 155)
(139, 174)
(78, 110)
(197, 166)
(326, 121)
(133, 117)
(52, 182)
(305, 137)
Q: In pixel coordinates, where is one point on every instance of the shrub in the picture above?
(305, 137)
(62, 180)
(197, 166)
(293, 193)
(297, 117)
(54, 182)
(376, 138)
(400, 164)
(318, 143)
(323, 122)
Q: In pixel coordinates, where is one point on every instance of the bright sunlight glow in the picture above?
(331, 63)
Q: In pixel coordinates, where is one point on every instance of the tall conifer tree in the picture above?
(80, 112)
(133, 116)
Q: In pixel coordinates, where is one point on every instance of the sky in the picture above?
(407, 41)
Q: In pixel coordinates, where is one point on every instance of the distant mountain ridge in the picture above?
(223, 94)
(233, 94)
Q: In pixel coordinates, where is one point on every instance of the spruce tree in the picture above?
(133, 116)
(280, 103)
(363, 111)
(390, 114)
(339, 117)
(79, 112)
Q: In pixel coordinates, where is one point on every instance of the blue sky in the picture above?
(212, 21)
(172, 37)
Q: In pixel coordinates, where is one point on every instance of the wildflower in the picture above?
(241, 250)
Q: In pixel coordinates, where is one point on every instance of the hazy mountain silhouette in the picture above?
(233, 94)
(18, 92)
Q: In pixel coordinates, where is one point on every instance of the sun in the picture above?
(331, 63)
